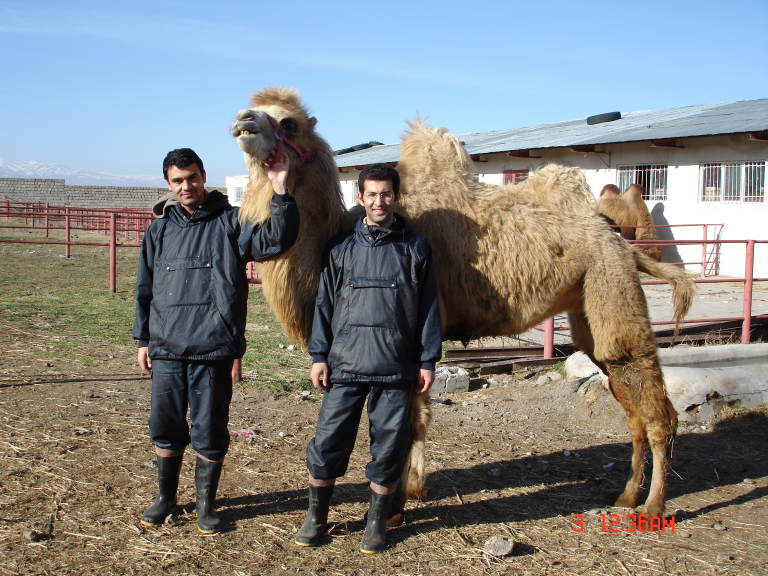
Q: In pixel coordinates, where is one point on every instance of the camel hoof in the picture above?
(396, 520)
(419, 494)
(625, 501)
(652, 510)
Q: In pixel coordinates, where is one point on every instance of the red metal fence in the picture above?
(131, 223)
(125, 228)
(114, 223)
(748, 280)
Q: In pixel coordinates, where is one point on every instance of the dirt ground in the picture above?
(515, 458)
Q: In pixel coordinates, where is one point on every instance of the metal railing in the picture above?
(111, 222)
(748, 280)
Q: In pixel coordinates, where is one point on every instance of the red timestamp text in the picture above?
(634, 523)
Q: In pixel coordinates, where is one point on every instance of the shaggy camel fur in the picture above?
(507, 257)
(629, 210)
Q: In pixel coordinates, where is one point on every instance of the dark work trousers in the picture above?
(389, 416)
(204, 386)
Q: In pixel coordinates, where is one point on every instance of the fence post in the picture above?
(47, 208)
(7, 207)
(749, 264)
(549, 338)
(67, 233)
(113, 252)
(704, 254)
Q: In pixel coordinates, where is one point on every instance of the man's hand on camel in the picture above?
(278, 174)
(426, 379)
(319, 369)
(145, 362)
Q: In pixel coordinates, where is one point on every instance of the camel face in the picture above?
(255, 135)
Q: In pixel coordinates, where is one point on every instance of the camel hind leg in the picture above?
(650, 413)
(616, 332)
(413, 478)
(583, 340)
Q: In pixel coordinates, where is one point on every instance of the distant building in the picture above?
(236, 189)
(700, 164)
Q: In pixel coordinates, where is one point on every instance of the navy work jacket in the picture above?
(377, 317)
(191, 288)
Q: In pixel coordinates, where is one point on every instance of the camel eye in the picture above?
(288, 125)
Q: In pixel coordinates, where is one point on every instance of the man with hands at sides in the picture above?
(376, 334)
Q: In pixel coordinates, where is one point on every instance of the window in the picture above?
(733, 182)
(652, 177)
(239, 191)
(515, 176)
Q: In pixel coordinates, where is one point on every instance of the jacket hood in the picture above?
(372, 235)
(213, 203)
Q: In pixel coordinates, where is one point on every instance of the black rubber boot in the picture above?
(168, 470)
(316, 522)
(375, 537)
(207, 476)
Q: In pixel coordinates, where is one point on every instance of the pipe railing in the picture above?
(748, 280)
(108, 221)
(134, 221)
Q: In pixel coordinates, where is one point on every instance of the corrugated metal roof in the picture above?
(686, 122)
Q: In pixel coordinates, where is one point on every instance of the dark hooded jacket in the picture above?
(191, 288)
(377, 317)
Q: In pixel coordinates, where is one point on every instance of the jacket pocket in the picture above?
(192, 330)
(185, 281)
(371, 302)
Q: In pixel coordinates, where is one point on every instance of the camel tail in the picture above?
(683, 288)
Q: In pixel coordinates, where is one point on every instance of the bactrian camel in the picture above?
(626, 211)
(507, 258)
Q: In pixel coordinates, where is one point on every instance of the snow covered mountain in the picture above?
(32, 169)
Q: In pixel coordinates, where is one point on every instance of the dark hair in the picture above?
(181, 158)
(379, 172)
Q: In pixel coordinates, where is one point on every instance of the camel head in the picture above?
(277, 112)
(290, 280)
(257, 136)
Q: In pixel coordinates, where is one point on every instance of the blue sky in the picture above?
(112, 86)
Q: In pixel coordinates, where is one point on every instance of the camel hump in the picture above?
(562, 189)
(610, 190)
(634, 194)
(683, 288)
(433, 148)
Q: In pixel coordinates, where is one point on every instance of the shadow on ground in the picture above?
(552, 484)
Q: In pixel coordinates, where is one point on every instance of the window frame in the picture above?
(657, 170)
(514, 176)
(749, 171)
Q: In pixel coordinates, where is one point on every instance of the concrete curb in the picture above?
(698, 391)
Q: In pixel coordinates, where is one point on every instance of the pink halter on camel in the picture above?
(277, 153)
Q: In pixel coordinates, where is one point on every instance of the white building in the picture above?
(236, 189)
(698, 165)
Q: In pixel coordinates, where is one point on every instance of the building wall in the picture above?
(683, 205)
(237, 185)
(57, 193)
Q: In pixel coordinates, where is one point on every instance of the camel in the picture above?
(506, 257)
(626, 211)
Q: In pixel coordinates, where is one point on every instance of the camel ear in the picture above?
(312, 122)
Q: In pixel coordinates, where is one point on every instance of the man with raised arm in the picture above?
(376, 334)
(191, 298)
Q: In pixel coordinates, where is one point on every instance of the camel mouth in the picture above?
(245, 129)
